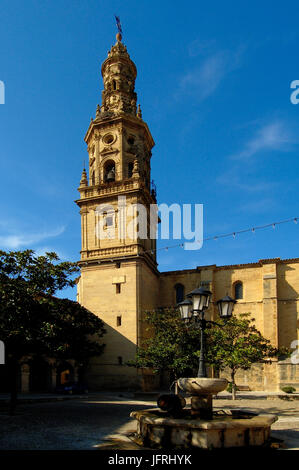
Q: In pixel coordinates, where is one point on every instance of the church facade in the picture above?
(119, 278)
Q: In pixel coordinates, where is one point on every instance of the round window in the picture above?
(108, 139)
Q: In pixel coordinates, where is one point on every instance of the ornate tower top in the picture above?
(119, 74)
(118, 136)
(119, 145)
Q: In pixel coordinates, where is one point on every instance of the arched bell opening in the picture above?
(109, 171)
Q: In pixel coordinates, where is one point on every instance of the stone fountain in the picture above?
(173, 426)
(198, 426)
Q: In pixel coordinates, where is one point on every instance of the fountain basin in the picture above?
(156, 429)
(202, 386)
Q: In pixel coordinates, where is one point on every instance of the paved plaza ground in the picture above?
(102, 420)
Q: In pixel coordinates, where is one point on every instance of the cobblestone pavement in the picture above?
(88, 423)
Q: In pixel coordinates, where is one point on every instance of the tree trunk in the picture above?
(234, 388)
(13, 379)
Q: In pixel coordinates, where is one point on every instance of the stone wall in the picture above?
(270, 296)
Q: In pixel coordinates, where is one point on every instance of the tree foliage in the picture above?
(32, 320)
(35, 323)
(40, 274)
(174, 346)
(171, 345)
(237, 344)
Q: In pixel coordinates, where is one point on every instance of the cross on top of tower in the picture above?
(118, 24)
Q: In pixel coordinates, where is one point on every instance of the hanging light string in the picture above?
(230, 234)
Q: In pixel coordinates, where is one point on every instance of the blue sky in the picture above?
(214, 86)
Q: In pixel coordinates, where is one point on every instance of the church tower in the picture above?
(119, 277)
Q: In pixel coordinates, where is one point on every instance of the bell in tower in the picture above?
(110, 177)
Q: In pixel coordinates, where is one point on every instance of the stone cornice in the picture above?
(117, 188)
(115, 258)
(182, 271)
(120, 119)
(257, 264)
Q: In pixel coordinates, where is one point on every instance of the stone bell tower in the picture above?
(119, 276)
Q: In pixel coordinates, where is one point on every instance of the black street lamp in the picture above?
(186, 309)
(193, 309)
(226, 306)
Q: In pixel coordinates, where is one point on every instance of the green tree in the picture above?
(174, 346)
(35, 323)
(171, 344)
(237, 344)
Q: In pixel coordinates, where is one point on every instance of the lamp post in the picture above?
(193, 308)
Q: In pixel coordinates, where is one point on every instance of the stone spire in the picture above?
(119, 75)
(83, 181)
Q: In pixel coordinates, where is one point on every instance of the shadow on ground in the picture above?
(76, 424)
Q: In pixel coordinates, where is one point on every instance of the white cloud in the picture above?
(203, 81)
(41, 251)
(16, 241)
(260, 206)
(272, 136)
(242, 178)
